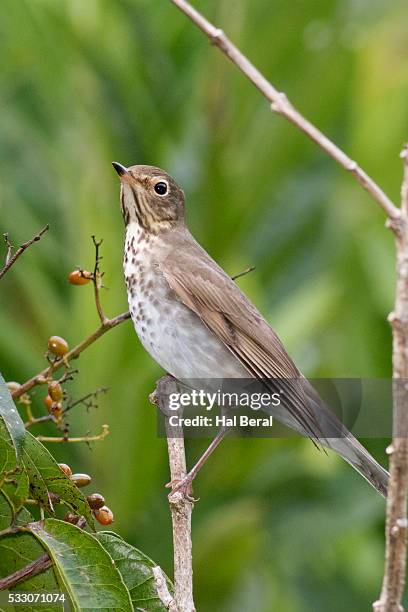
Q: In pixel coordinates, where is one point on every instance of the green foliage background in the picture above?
(279, 526)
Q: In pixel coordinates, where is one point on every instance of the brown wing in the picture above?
(225, 310)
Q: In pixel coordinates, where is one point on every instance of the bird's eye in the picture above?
(161, 188)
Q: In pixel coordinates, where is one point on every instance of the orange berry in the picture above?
(80, 277)
(58, 346)
(55, 391)
(96, 501)
(65, 468)
(48, 402)
(104, 515)
(81, 480)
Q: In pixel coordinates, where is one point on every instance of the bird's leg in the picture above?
(185, 484)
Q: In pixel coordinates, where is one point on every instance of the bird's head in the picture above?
(150, 197)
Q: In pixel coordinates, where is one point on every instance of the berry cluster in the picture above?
(96, 501)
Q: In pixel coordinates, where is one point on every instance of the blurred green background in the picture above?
(278, 526)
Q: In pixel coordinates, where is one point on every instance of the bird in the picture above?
(197, 324)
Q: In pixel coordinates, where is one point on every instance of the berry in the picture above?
(58, 346)
(72, 518)
(96, 501)
(48, 402)
(55, 391)
(81, 480)
(80, 277)
(104, 515)
(65, 468)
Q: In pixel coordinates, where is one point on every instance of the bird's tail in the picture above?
(360, 459)
(345, 444)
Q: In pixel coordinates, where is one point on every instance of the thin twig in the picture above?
(9, 247)
(281, 105)
(29, 571)
(162, 590)
(243, 273)
(87, 438)
(181, 506)
(11, 259)
(396, 523)
(97, 280)
(42, 377)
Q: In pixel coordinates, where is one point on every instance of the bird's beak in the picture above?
(121, 170)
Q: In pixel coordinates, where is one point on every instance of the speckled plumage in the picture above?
(197, 324)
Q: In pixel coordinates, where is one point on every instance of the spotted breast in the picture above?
(173, 335)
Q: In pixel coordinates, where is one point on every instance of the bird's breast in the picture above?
(173, 335)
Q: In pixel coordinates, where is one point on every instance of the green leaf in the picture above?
(17, 551)
(45, 476)
(136, 570)
(6, 512)
(11, 418)
(7, 451)
(16, 488)
(84, 568)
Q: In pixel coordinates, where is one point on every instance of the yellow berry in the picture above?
(58, 346)
(55, 391)
(81, 480)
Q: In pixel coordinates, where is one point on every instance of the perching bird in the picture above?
(197, 324)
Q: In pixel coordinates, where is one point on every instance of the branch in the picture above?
(10, 258)
(396, 521)
(181, 506)
(162, 590)
(74, 353)
(97, 280)
(32, 569)
(87, 438)
(281, 105)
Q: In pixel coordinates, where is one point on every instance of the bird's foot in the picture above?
(184, 486)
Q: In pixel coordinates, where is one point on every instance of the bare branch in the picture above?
(97, 280)
(281, 105)
(42, 377)
(32, 569)
(87, 438)
(181, 506)
(11, 259)
(396, 520)
(162, 590)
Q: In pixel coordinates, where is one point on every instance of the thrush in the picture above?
(197, 324)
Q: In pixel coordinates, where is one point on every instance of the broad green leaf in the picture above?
(11, 418)
(84, 568)
(6, 512)
(16, 487)
(17, 551)
(7, 451)
(45, 476)
(136, 570)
